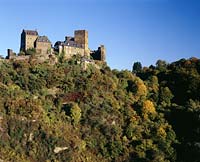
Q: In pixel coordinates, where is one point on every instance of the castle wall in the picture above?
(103, 53)
(23, 41)
(100, 54)
(21, 58)
(71, 51)
(43, 47)
(29, 41)
(11, 54)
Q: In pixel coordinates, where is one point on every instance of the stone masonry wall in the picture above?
(43, 47)
(30, 40)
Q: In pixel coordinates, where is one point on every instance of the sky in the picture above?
(131, 30)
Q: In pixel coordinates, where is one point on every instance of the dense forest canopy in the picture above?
(62, 112)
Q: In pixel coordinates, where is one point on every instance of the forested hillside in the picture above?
(63, 112)
(178, 98)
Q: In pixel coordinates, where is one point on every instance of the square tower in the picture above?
(28, 38)
(81, 38)
(43, 45)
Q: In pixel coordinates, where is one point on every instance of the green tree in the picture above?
(30, 51)
(75, 113)
(165, 96)
(137, 67)
(161, 65)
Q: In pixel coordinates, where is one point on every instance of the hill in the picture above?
(64, 112)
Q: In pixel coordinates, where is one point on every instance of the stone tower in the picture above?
(43, 45)
(28, 38)
(11, 54)
(81, 38)
(102, 53)
(99, 54)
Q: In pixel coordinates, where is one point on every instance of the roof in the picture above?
(43, 39)
(68, 43)
(72, 44)
(31, 32)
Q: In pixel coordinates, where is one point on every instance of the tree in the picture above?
(165, 96)
(161, 65)
(148, 109)
(75, 113)
(137, 67)
(30, 51)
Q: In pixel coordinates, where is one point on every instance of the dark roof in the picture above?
(57, 43)
(72, 44)
(69, 42)
(43, 39)
(31, 32)
(69, 38)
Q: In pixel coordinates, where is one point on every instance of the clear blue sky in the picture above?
(131, 30)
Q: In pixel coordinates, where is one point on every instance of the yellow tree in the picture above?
(148, 109)
(75, 114)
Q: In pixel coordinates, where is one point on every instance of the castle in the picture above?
(30, 39)
(77, 45)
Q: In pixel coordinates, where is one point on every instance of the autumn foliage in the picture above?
(63, 112)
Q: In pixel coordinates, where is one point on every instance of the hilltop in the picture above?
(41, 47)
(64, 112)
